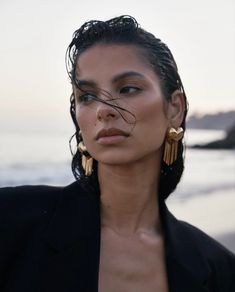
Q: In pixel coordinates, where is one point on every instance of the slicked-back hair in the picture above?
(124, 30)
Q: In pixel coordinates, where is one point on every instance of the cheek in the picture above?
(153, 122)
(152, 111)
(86, 123)
(79, 116)
(82, 117)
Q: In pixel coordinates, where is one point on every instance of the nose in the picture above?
(106, 112)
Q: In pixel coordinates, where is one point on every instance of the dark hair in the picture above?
(126, 30)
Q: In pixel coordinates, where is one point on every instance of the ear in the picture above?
(176, 109)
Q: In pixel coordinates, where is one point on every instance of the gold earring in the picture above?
(87, 160)
(171, 144)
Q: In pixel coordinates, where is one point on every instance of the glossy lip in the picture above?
(110, 133)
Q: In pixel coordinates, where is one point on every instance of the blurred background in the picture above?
(35, 124)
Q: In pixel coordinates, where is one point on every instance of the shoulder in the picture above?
(27, 200)
(207, 245)
(27, 191)
(23, 206)
(32, 204)
(204, 258)
(24, 211)
(218, 259)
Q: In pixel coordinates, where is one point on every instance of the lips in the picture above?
(111, 132)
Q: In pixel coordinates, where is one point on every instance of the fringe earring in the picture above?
(87, 160)
(171, 144)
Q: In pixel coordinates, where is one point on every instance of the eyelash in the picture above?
(88, 97)
(136, 90)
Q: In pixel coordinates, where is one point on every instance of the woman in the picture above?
(111, 230)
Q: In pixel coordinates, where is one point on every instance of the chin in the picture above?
(124, 159)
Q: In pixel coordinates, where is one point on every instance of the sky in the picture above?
(34, 87)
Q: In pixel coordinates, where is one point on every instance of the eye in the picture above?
(87, 97)
(129, 90)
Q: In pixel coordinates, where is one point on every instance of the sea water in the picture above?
(41, 158)
(205, 196)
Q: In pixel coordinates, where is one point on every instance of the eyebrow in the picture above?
(127, 74)
(81, 83)
(116, 78)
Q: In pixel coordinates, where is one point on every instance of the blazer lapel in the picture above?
(186, 267)
(72, 260)
(72, 244)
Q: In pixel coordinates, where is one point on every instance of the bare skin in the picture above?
(132, 244)
(132, 255)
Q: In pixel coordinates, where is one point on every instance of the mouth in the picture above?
(111, 136)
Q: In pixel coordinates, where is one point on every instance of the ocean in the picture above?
(205, 196)
(41, 158)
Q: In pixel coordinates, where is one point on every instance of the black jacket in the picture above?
(50, 242)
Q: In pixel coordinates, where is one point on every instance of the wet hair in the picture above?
(125, 30)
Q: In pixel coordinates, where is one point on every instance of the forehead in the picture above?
(111, 59)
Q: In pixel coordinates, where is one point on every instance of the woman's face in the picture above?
(119, 72)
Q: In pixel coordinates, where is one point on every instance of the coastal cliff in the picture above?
(220, 121)
(227, 143)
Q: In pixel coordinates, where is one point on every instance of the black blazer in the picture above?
(50, 242)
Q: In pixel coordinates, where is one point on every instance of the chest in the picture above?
(132, 264)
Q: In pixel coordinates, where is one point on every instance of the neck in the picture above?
(129, 197)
